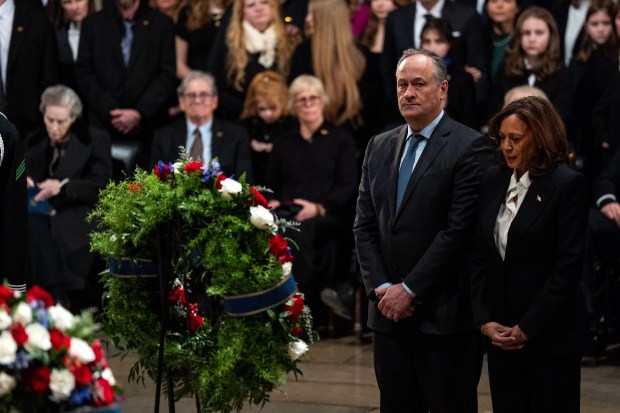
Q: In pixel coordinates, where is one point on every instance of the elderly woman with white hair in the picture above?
(313, 174)
(67, 165)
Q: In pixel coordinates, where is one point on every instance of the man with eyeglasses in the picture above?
(203, 136)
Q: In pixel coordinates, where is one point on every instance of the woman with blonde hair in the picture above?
(534, 58)
(255, 40)
(330, 53)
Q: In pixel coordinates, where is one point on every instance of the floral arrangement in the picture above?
(223, 242)
(49, 361)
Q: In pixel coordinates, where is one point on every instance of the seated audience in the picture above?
(202, 135)
(266, 118)
(67, 165)
(313, 175)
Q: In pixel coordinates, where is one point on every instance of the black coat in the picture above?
(229, 143)
(32, 66)
(423, 243)
(88, 166)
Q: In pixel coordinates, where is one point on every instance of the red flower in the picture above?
(38, 378)
(192, 167)
(162, 170)
(59, 340)
(96, 346)
(258, 198)
(5, 294)
(278, 246)
(296, 331)
(82, 374)
(38, 293)
(295, 308)
(195, 322)
(175, 295)
(103, 394)
(218, 181)
(19, 334)
(285, 258)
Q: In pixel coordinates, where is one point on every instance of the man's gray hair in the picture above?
(440, 70)
(61, 95)
(197, 74)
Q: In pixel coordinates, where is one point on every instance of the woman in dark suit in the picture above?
(527, 262)
(67, 165)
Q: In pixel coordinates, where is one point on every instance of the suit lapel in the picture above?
(20, 25)
(75, 158)
(395, 152)
(498, 189)
(217, 140)
(140, 32)
(433, 147)
(533, 204)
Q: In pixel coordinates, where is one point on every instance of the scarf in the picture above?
(263, 43)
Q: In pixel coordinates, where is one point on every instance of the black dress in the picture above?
(200, 42)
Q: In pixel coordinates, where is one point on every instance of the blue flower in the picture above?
(215, 167)
(41, 316)
(22, 360)
(81, 397)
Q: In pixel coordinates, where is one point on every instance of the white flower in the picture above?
(287, 267)
(81, 350)
(62, 383)
(8, 348)
(108, 376)
(38, 337)
(229, 188)
(262, 218)
(60, 317)
(22, 314)
(113, 238)
(7, 383)
(178, 167)
(5, 320)
(297, 349)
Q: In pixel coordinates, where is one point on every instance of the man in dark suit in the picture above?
(29, 62)
(414, 216)
(125, 72)
(13, 208)
(203, 136)
(404, 26)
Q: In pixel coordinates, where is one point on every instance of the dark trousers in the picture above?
(419, 372)
(523, 382)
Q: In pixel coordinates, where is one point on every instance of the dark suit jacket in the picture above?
(466, 48)
(32, 66)
(422, 243)
(229, 143)
(537, 285)
(88, 166)
(608, 182)
(104, 81)
(13, 207)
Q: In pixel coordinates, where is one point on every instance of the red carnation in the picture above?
(195, 322)
(285, 258)
(258, 198)
(59, 340)
(96, 346)
(38, 378)
(38, 293)
(218, 181)
(19, 334)
(103, 394)
(296, 331)
(295, 308)
(82, 374)
(192, 167)
(162, 170)
(177, 294)
(278, 246)
(5, 294)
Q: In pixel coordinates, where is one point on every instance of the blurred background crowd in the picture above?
(289, 92)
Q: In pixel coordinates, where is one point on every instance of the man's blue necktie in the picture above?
(406, 167)
(127, 40)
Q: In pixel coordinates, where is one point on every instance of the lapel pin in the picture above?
(323, 132)
(145, 23)
(538, 198)
(20, 28)
(219, 133)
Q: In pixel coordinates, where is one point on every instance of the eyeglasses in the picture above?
(200, 96)
(307, 100)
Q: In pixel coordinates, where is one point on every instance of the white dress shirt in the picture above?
(205, 132)
(420, 19)
(7, 13)
(508, 210)
(574, 23)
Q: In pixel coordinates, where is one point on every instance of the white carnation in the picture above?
(7, 383)
(178, 167)
(229, 188)
(5, 320)
(296, 349)
(62, 383)
(287, 267)
(8, 348)
(23, 314)
(60, 317)
(81, 350)
(38, 337)
(261, 218)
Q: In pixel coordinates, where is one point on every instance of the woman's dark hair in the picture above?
(547, 128)
(610, 48)
(442, 26)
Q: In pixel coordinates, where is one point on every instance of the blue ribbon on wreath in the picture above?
(254, 303)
